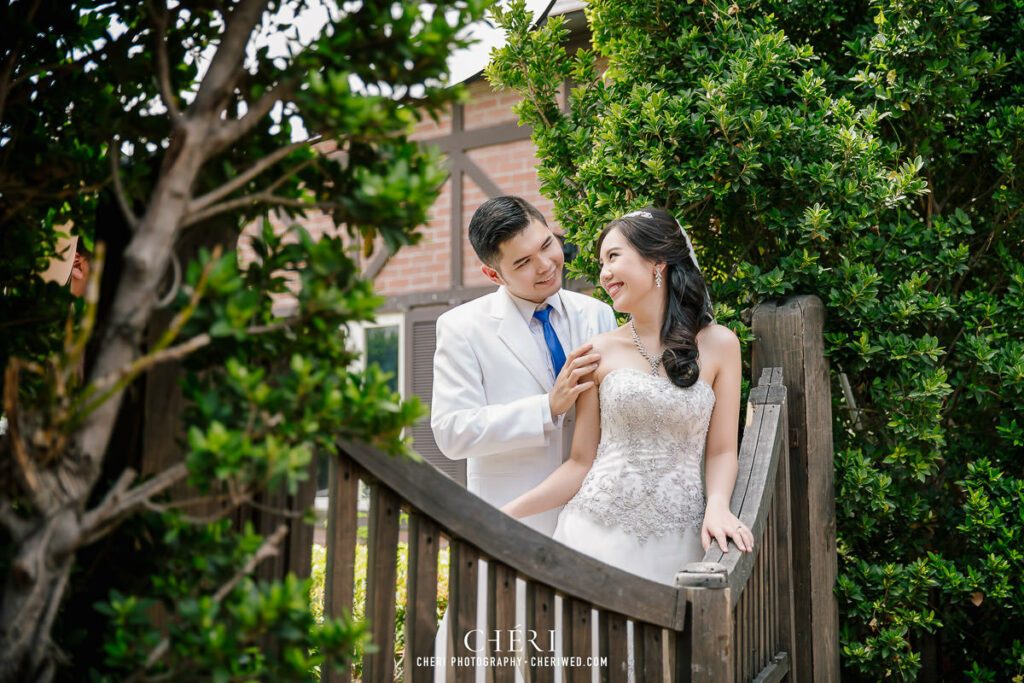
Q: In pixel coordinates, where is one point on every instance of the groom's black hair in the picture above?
(498, 220)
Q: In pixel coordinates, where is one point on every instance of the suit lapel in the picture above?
(515, 334)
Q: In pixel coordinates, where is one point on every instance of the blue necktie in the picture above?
(551, 339)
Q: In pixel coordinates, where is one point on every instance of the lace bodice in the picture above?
(646, 477)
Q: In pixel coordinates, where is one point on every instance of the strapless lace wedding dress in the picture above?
(641, 506)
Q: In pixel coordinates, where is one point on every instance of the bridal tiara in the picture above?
(689, 247)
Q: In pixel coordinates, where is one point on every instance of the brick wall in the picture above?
(426, 267)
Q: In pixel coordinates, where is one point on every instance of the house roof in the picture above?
(572, 10)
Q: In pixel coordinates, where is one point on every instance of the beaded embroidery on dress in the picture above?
(643, 501)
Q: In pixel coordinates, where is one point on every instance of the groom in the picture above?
(509, 365)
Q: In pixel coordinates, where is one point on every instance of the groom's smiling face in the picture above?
(531, 263)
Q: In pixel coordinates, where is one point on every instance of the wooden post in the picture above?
(712, 651)
(789, 334)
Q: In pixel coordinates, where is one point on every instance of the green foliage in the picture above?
(359, 597)
(271, 400)
(868, 153)
(97, 102)
(223, 639)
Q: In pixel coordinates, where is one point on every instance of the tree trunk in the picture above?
(34, 586)
(35, 582)
(33, 590)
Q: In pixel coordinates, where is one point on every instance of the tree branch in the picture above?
(120, 502)
(232, 130)
(267, 549)
(16, 526)
(125, 374)
(163, 70)
(200, 203)
(27, 468)
(114, 157)
(225, 66)
(7, 71)
(259, 197)
(281, 512)
(176, 352)
(973, 262)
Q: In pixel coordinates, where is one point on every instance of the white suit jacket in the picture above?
(490, 395)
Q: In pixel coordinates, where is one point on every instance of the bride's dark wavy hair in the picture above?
(687, 311)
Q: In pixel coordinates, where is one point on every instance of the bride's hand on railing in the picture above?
(720, 525)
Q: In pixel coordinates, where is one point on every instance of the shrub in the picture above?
(868, 153)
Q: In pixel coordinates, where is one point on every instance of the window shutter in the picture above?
(421, 340)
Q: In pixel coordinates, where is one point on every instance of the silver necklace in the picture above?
(655, 361)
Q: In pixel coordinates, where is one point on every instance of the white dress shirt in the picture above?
(558, 322)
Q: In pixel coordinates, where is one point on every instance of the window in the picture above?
(382, 342)
(382, 348)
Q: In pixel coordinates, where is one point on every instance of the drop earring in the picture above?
(657, 278)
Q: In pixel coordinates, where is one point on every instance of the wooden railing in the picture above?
(730, 617)
(743, 602)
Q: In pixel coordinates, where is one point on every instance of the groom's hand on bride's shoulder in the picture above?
(575, 378)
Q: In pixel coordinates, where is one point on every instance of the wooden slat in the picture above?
(755, 618)
(638, 653)
(421, 599)
(763, 648)
(743, 644)
(771, 546)
(773, 585)
(652, 663)
(381, 569)
(462, 591)
(775, 671)
(789, 335)
(784, 564)
(738, 639)
(527, 551)
(501, 618)
(613, 647)
(672, 672)
(342, 523)
(540, 619)
(681, 653)
(265, 522)
(300, 532)
(578, 638)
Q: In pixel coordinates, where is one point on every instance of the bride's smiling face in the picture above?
(626, 275)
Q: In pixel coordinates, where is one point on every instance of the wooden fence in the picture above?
(729, 617)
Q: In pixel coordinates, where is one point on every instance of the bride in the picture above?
(665, 397)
